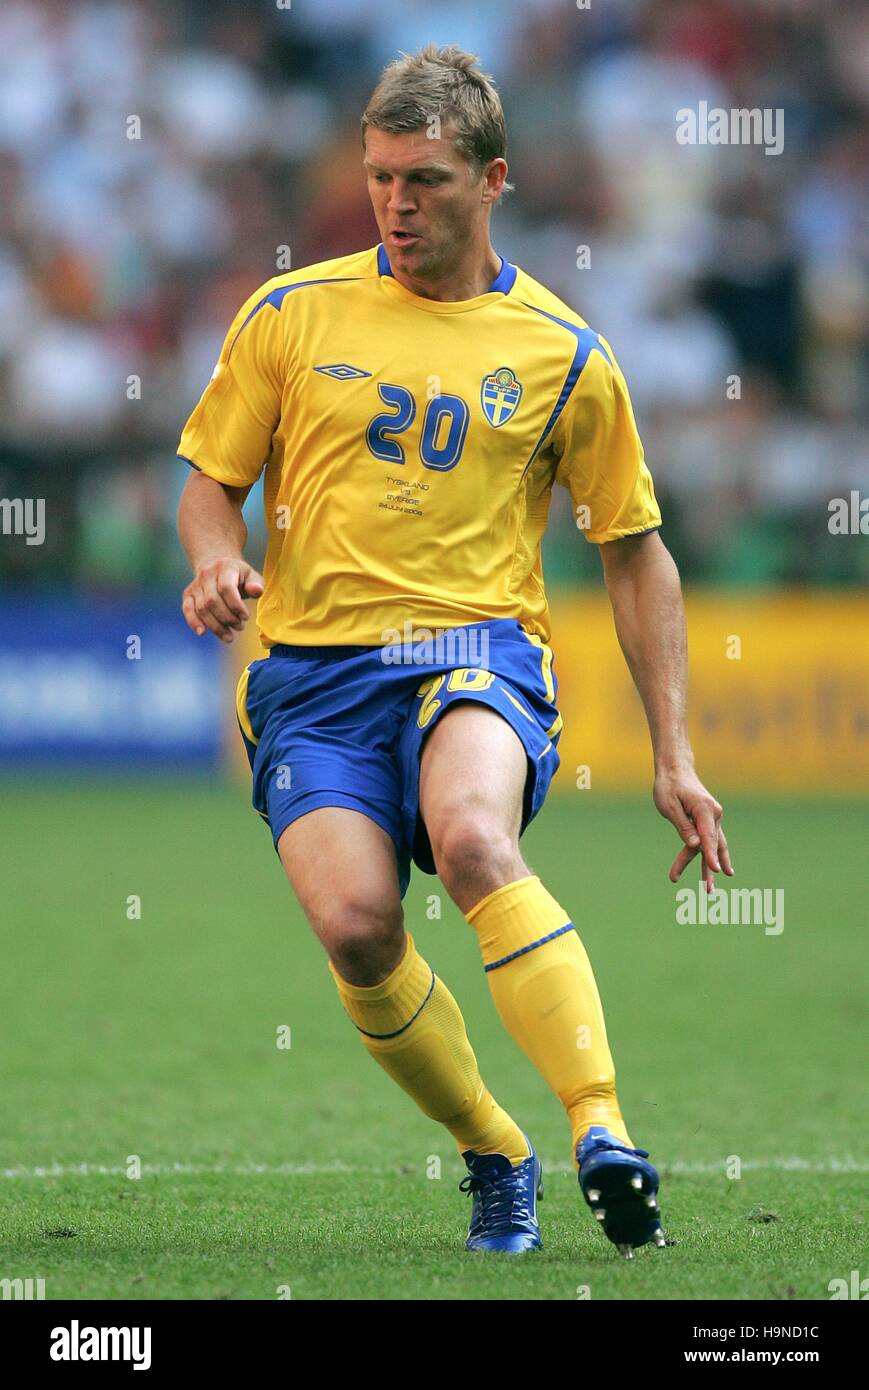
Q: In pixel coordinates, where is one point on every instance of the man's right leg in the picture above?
(342, 868)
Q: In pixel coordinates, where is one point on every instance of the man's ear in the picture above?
(494, 178)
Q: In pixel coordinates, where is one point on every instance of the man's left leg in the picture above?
(472, 778)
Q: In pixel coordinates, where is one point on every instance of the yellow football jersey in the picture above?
(410, 447)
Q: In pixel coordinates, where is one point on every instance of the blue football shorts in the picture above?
(345, 725)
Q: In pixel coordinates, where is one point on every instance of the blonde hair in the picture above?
(446, 83)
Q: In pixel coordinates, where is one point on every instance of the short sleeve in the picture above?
(229, 435)
(600, 455)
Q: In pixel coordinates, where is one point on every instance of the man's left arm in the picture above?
(646, 596)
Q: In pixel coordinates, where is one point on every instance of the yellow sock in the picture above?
(412, 1026)
(545, 992)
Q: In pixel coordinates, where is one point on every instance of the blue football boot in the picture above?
(504, 1208)
(621, 1188)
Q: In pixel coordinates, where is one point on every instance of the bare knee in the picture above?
(364, 939)
(474, 855)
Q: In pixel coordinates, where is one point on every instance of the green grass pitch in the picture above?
(303, 1169)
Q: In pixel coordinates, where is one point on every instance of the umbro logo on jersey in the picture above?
(342, 371)
(500, 395)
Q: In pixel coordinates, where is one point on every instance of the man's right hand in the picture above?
(214, 599)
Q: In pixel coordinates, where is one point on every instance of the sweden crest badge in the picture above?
(500, 395)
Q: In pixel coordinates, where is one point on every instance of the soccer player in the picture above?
(412, 406)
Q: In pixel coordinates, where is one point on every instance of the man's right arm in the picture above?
(213, 533)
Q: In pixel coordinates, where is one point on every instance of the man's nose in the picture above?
(400, 197)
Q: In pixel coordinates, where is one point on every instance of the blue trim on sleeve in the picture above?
(587, 341)
(629, 535)
(224, 482)
(523, 951)
(276, 298)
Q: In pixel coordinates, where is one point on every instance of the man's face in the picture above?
(428, 201)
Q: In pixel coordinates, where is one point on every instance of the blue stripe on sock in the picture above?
(404, 1027)
(505, 960)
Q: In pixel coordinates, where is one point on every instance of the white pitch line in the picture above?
(676, 1168)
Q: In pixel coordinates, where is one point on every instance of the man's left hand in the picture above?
(681, 798)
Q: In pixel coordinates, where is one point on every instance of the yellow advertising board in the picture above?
(779, 695)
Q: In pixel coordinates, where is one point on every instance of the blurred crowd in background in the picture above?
(731, 283)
